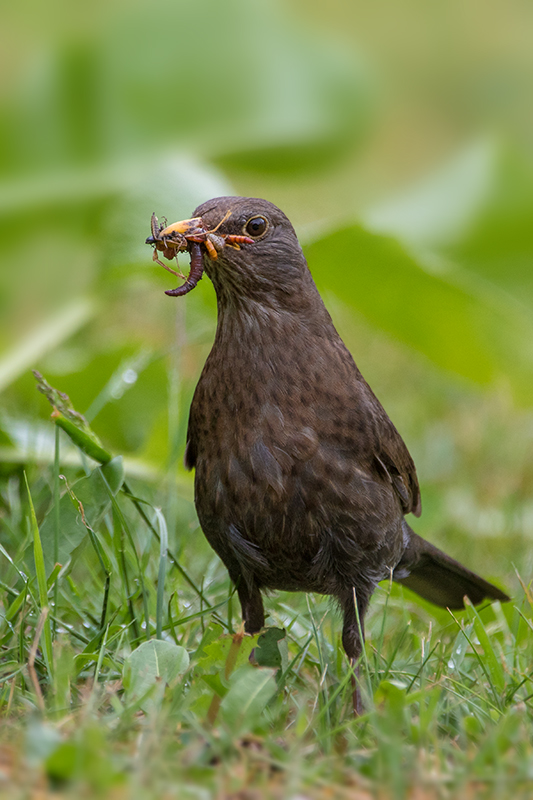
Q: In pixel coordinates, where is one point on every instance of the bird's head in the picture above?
(250, 250)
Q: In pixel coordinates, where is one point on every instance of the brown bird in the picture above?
(302, 481)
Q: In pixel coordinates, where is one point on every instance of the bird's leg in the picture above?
(357, 703)
(253, 612)
(354, 605)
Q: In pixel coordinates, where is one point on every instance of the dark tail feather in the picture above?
(440, 579)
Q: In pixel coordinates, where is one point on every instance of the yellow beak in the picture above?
(185, 227)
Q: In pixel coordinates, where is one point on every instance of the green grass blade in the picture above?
(483, 662)
(15, 605)
(13, 564)
(163, 545)
(492, 661)
(41, 583)
(56, 509)
(137, 501)
(124, 523)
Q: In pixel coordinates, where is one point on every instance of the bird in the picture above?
(302, 482)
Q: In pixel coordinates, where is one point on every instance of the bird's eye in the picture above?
(256, 226)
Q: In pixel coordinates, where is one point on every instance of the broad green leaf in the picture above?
(440, 208)
(461, 326)
(250, 691)
(477, 209)
(216, 653)
(498, 245)
(84, 757)
(212, 633)
(394, 693)
(275, 86)
(113, 472)
(460, 648)
(271, 649)
(156, 663)
(215, 683)
(153, 660)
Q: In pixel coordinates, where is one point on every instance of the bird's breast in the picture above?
(281, 477)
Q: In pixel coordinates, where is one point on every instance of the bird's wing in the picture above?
(395, 459)
(392, 458)
(377, 445)
(189, 458)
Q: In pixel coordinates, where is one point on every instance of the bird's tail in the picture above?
(440, 579)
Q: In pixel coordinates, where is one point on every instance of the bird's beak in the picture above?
(185, 227)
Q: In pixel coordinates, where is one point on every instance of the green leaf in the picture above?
(215, 653)
(250, 691)
(215, 683)
(61, 765)
(153, 664)
(392, 692)
(440, 208)
(498, 245)
(271, 649)
(113, 472)
(53, 576)
(295, 87)
(461, 326)
(211, 634)
(72, 422)
(477, 209)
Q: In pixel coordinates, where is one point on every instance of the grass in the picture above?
(124, 672)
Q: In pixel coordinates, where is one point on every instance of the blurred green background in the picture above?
(397, 138)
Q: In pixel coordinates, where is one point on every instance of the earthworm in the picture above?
(195, 274)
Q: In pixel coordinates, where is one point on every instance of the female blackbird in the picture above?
(302, 481)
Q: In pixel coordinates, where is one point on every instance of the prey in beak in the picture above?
(190, 234)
